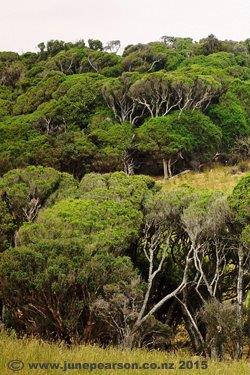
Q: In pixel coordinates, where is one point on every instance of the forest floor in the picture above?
(222, 178)
(30, 352)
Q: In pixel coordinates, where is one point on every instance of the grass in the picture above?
(33, 350)
(218, 178)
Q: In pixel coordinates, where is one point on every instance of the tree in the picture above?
(159, 136)
(210, 44)
(232, 118)
(113, 46)
(100, 62)
(116, 95)
(74, 152)
(42, 47)
(68, 61)
(56, 289)
(198, 222)
(7, 224)
(240, 203)
(55, 46)
(30, 100)
(11, 74)
(25, 191)
(95, 44)
(145, 57)
(110, 225)
(241, 149)
(179, 135)
(117, 186)
(207, 136)
(114, 143)
(165, 216)
(154, 94)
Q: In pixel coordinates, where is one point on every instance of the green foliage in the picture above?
(95, 44)
(100, 62)
(5, 108)
(30, 101)
(113, 141)
(245, 238)
(74, 100)
(67, 62)
(240, 200)
(217, 60)
(23, 192)
(117, 186)
(232, 118)
(161, 136)
(55, 46)
(104, 226)
(206, 135)
(7, 225)
(46, 277)
(44, 184)
(189, 132)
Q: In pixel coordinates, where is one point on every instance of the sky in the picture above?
(25, 23)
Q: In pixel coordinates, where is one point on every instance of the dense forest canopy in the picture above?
(92, 249)
(83, 108)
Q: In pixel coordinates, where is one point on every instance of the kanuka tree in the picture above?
(119, 187)
(240, 203)
(207, 136)
(62, 264)
(178, 135)
(113, 143)
(161, 137)
(230, 115)
(117, 98)
(156, 94)
(23, 192)
(57, 285)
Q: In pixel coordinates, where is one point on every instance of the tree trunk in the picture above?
(217, 347)
(165, 168)
(169, 168)
(128, 164)
(240, 302)
(128, 341)
(194, 338)
(192, 326)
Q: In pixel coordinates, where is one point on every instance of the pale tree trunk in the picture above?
(143, 316)
(196, 344)
(192, 327)
(240, 301)
(165, 168)
(128, 341)
(169, 168)
(128, 164)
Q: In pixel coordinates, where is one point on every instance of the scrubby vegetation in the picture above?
(95, 250)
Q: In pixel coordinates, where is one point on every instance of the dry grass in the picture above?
(32, 350)
(218, 178)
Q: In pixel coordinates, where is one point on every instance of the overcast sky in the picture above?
(25, 23)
